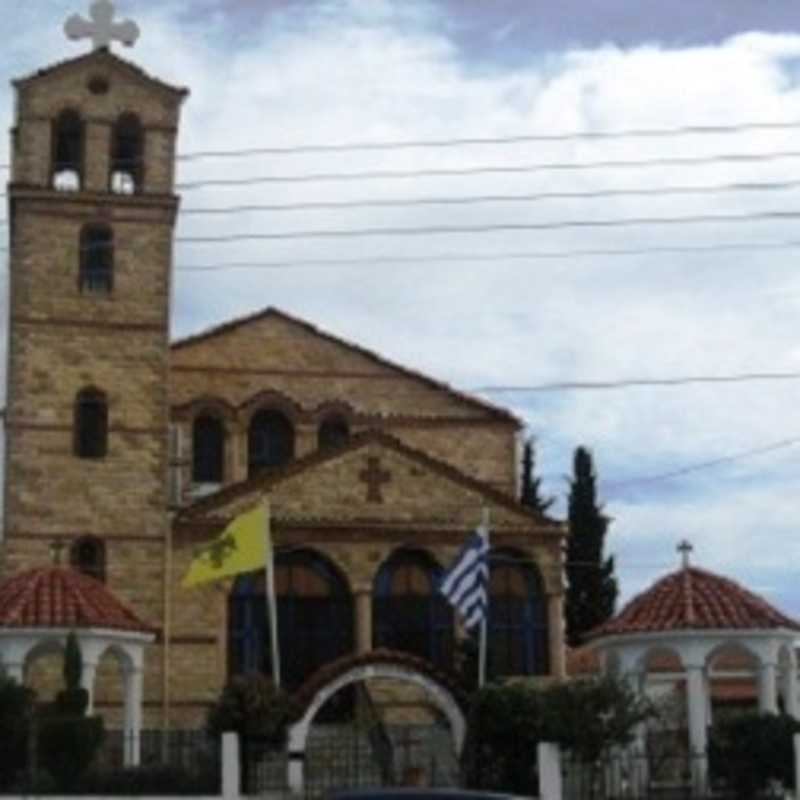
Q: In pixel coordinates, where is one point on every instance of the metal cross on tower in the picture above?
(101, 28)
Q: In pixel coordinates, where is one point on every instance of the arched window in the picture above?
(67, 171)
(517, 640)
(88, 555)
(91, 424)
(409, 613)
(333, 432)
(208, 450)
(315, 618)
(127, 155)
(270, 441)
(96, 272)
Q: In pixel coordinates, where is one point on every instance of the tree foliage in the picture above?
(68, 740)
(16, 713)
(506, 723)
(591, 586)
(750, 750)
(252, 706)
(531, 491)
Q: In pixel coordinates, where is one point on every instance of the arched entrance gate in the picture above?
(386, 665)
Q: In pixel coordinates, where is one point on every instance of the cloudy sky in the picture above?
(528, 289)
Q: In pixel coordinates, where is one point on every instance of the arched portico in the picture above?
(387, 665)
(31, 627)
(19, 648)
(695, 614)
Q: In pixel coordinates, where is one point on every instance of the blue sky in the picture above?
(293, 73)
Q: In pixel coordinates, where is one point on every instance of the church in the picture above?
(126, 451)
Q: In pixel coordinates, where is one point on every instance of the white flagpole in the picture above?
(482, 647)
(272, 601)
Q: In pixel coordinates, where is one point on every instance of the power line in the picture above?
(634, 133)
(702, 465)
(745, 377)
(489, 198)
(452, 257)
(430, 230)
(496, 198)
(486, 140)
(309, 177)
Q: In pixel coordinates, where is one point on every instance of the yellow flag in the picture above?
(243, 546)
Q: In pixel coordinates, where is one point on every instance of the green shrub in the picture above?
(507, 722)
(749, 751)
(154, 780)
(67, 745)
(251, 706)
(16, 713)
(68, 740)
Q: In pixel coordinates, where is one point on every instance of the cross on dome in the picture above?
(685, 548)
(101, 28)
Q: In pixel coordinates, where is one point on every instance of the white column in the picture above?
(698, 744)
(549, 760)
(796, 742)
(132, 679)
(709, 710)
(790, 686)
(231, 766)
(767, 689)
(88, 676)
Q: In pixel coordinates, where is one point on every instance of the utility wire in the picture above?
(767, 186)
(487, 140)
(629, 383)
(429, 230)
(742, 158)
(703, 465)
(309, 177)
(452, 257)
(402, 202)
(492, 140)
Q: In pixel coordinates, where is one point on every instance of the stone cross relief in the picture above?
(374, 477)
(101, 28)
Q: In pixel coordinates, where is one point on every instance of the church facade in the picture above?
(128, 451)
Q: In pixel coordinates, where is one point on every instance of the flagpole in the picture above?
(272, 602)
(482, 647)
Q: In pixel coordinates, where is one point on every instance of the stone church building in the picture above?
(126, 451)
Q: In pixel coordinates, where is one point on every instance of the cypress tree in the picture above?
(530, 494)
(591, 586)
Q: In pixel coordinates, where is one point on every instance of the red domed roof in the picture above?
(53, 597)
(691, 599)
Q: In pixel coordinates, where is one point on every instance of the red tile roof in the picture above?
(690, 599)
(54, 597)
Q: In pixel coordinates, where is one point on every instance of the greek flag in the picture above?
(465, 583)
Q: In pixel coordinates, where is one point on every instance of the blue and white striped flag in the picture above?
(465, 583)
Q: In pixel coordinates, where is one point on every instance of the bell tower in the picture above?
(91, 209)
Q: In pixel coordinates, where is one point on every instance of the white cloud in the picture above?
(364, 71)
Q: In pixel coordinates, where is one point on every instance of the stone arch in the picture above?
(206, 404)
(309, 584)
(409, 613)
(732, 654)
(270, 400)
(518, 628)
(661, 658)
(441, 689)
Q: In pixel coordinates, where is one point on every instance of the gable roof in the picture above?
(694, 599)
(273, 477)
(105, 57)
(269, 312)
